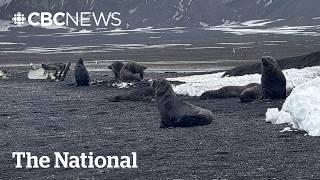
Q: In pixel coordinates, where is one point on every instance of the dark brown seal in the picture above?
(141, 94)
(252, 94)
(129, 71)
(81, 74)
(226, 92)
(273, 80)
(116, 68)
(176, 113)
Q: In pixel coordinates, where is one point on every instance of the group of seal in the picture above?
(122, 71)
(273, 85)
(173, 111)
(176, 113)
(127, 71)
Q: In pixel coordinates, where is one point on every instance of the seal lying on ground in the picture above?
(129, 71)
(273, 80)
(252, 94)
(176, 113)
(81, 74)
(226, 92)
(141, 94)
(116, 68)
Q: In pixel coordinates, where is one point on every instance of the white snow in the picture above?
(260, 27)
(267, 2)
(11, 43)
(40, 74)
(237, 44)
(122, 85)
(214, 47)
(203, 24)
(131, 11)
(37, 74)
(198, 84)
(3, 75)
(301, 109)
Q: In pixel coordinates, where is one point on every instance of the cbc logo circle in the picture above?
(19, 19)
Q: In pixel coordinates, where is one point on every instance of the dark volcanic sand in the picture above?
(45, 117)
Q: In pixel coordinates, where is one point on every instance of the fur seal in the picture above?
(81, 74)
(252, 94)
(141, 94)
(129, 70)
(116, 68)
(176, 113)
(226, 92)
(273, 80)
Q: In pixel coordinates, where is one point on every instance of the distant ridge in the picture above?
(164, 13)
(298, 62)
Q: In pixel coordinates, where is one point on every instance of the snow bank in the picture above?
(301, 108)
(198, 84)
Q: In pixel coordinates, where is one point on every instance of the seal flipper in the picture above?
(192, 120)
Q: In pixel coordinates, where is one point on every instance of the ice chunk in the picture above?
(301, 108)
(38, 74)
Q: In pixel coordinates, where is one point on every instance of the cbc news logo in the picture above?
(19, 19)
(67, 19)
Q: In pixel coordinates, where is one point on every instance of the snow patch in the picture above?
(122, 85)
(198, 84)
(259, 27)
(267, 2)
(301, 109)
(38, 74)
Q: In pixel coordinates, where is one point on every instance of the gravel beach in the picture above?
(43, 117)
